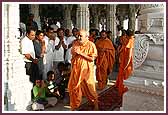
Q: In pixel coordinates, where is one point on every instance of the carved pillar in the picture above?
(132, 19)
(34, 8)
(95, 17)
(151, 19)
(149, 61)
(97, 22)
(151, 22)
(111, 19)
(121, 21)
(67, 16)
(17, 87)
(83, 17)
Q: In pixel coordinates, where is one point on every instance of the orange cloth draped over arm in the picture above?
(82, 74)
(125, 62)
(104, 61)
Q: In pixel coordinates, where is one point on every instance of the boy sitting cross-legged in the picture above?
(39, 96)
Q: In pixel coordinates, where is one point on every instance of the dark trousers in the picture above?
(41, 101)
(28, 66)
(33, 71)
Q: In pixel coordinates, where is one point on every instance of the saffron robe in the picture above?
(81, 81)
(125, 66)
(104, 61)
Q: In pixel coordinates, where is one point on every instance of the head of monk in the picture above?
(103, 34)
(83, 36)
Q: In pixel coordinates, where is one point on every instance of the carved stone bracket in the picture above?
(157, 39)
(142, 42)
(140, 49)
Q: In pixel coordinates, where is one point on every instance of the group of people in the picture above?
(56, 60)
(86, 53)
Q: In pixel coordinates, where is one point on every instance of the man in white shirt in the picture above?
(27, 49)
(48, 56)
(69, 41)
(60, 46)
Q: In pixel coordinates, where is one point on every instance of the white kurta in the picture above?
(68, 54)
(58, 54)
(48, 56)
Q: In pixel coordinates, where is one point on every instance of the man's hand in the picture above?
(35, 61)
(77, 50)
(43, 85)
(61, 39)
(28, 56)
(39, 93)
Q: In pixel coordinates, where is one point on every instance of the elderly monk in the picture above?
(105, 59)
(81, 80)
(125, 60)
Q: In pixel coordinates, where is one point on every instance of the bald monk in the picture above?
(81, 82)
(125, 60)
(105, 59)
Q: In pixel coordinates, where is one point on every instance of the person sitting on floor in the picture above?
(60, 79)
(52, 88)
(39, 93)
(66, 73)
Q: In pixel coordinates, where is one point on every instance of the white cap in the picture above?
(55, 27)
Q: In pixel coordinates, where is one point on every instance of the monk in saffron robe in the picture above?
(92, 36)
(125, 60)
(81, 81)
(105, 59)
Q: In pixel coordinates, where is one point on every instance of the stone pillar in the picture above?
(151, 18)
(121, 21)
(83, 17)
(132, 18)
(151, 23)
(17, 85)
(67, 16)
(111, 19)
(34, 8)
(95, 16)
(96, 21)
